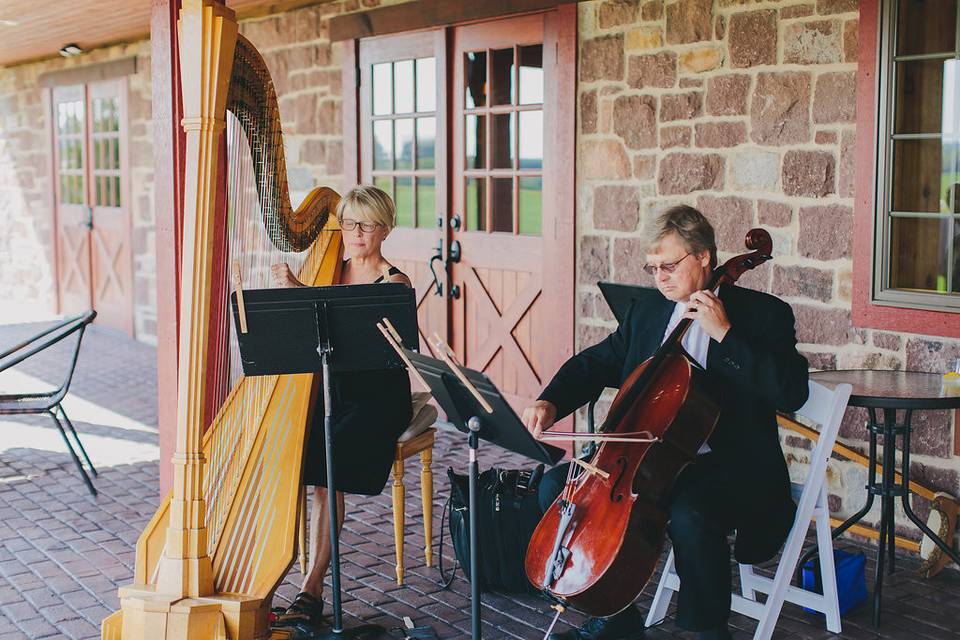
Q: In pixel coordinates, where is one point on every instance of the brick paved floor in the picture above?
(63, 553)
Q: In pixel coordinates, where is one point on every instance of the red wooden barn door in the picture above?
(93, 216)
(513, 317)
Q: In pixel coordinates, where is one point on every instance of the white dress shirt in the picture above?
(695, 341)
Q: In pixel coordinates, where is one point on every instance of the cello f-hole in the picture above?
(615, 495)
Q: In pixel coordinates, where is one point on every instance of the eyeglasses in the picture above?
(349, 225)
(666, 267)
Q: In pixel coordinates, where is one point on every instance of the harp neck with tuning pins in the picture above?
(209, 560)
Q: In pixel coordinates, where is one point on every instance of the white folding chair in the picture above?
(824, 407)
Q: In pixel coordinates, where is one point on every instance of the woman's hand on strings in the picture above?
(539, 417)
(283, 278)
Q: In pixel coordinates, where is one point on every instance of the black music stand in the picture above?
(326, 329)
(502, 428)
(619, 296)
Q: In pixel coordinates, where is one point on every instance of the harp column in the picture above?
(183, 604)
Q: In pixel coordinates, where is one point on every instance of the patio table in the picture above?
(890, 391)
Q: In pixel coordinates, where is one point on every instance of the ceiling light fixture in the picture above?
(70, 50)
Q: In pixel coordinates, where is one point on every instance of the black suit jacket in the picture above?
(757, 371)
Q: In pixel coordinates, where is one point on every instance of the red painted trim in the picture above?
(169, 162)
(350, 118)
(864, 313)
(54, 246)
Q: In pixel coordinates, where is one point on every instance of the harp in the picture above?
(218, 546)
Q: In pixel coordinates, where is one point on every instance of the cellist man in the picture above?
(745, 341)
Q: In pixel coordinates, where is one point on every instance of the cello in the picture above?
(597, 546)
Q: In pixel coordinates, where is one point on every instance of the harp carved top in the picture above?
(252, 100)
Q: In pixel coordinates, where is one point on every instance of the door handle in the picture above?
(453, 255)
(455, 222)
(437, 257)
(88, 223)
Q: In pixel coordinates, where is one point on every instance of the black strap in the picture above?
(393, 271)
(445, 582)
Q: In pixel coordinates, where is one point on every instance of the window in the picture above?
(917, 250)
(70, 156)
(404, 123)
(504, 139)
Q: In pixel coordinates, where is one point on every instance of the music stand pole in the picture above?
(473, 424)
(337, 631)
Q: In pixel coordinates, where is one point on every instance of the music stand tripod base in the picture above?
(337, 631)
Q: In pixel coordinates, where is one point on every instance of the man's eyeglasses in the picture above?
(666, 267)
(349, 225)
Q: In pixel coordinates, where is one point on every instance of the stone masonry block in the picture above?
(780, 109)
(727, 94)
(687, 172)
(826, 232)
(602, 59)
(808, 173)
(689, 21)
(635, 120)
(753, 38)
(652, 70)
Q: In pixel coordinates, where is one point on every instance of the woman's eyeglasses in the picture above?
(666, 267)
(349, 225)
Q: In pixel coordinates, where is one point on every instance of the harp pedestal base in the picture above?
(146, 615)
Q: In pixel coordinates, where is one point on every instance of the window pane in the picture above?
(426, 139)
(382, 144)
(426, 203)
(476, 203)
(385, 184)
(116, 153)
(531, 201)
(116, 191)
(956, 255)
(531, 139)
(403, 146)
(403, 86)
(919, 96)
(921, 176)
(918, 254)
(98, 153)
(531, 74)
(926, 26)
(100, 196)
(382, 89)
(502, 70)
(502, 204)
(426, 84)
(404, 201)
(476, 134)
(501, 144)
(475, 72)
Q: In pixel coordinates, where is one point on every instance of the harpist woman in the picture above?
(371, 408)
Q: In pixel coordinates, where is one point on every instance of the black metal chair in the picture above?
(48, 402)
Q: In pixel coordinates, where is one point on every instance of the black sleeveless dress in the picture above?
(370, 411)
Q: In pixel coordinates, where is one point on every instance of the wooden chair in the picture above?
(824, 407)
(417, 439)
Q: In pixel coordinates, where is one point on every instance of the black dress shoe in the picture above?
(626, 625)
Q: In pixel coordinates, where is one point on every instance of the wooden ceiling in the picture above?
(36, 29)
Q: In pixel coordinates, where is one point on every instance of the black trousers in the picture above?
(700, 521)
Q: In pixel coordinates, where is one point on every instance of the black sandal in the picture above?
(303, 617)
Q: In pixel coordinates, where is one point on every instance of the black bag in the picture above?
(508, 513)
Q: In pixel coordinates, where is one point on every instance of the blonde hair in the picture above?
(372, 203)
(691, 226)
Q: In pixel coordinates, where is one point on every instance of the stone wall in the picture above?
(27, 269)
(746, 110)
